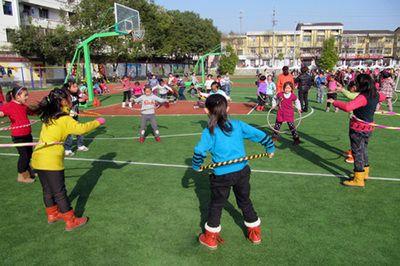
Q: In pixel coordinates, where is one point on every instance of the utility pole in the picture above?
(273, 39)
(240, 19)
(294, 48)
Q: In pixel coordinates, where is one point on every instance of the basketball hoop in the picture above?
(137, 35)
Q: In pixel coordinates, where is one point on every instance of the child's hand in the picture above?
(270, 155)
(131, 99)
(200, 170)
(298, 111)
(330, 100)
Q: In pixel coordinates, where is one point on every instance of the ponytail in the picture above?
(50, 107)
(216, 105)
(14, 92)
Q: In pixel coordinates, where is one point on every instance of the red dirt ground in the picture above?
(180, 108)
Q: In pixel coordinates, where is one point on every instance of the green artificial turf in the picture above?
(147, 207)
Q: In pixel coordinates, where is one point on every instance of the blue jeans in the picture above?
(320, 95)
(359, 145)
(70, 138)
(228, 89)
(181, 93)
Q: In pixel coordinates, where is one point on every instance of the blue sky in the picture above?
(257, 14)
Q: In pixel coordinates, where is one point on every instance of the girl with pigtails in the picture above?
(49, 160)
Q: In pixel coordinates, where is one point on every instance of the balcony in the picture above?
(41, 22)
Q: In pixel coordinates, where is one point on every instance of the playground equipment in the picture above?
(127, 22)
(222, 51)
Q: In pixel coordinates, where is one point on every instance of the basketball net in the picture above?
(137, 35)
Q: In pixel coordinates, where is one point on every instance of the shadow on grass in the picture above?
(313, 157)
(86, 183)
(201, 183)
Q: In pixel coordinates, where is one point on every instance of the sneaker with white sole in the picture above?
(69, 153)
(83, 148)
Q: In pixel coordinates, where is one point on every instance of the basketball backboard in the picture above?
(127, 20)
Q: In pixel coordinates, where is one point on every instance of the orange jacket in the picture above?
(282, 79)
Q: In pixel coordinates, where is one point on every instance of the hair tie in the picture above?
(48, 99)
(217, 102)
(19, 90)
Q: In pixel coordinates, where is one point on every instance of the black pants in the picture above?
(292, 128)
(330, 96)
(25, 153)
(127, 96)
(54, 191)
(220, 190)
(359, 146)
(303, 97)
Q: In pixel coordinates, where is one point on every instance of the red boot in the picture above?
(211, 238)
(141, 140)
(72, 222)
(158, 139)
(53, 215)
(253, 232)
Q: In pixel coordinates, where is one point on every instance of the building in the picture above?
(45, 14)
(357, 49)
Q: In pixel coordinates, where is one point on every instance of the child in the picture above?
(137, 91)
(163, 89)
(261, 93)
(387, 87)
(228, 83)
(321, 85)
(181, 84)
(126, 86)
(18, 112)
(216, 89)
(363, 107)
(193, 89)
(285, 111)
(49, 160)
(103, 86)
(223, 138)
(1, 97)
(351, 93)
(148, 100)
(332, 94)
(194, 79)
(153, 81)
(171, 80)
(72, 87)
(202, 99)
(271, 89)
(208, 83)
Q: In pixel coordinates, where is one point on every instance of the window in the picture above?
(9, 32)
(351, 50)
(266, 38)
(240, 52)
(292, 38)
(307, 39)
(388, 40)
(27, 9)
(361, 40)
(336, 37)
(279, 50)
(279, 39)
(7, 8)
(388, 50)
(360, 51)
(253, 38)
(240, 42)
(252, 62)
(320, 38)
(253, 50)
(266, 50)
(321, 31)
(43, 13)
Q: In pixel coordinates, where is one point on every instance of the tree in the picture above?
(228, 64)
(329, 57)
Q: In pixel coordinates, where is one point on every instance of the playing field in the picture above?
(147, 206)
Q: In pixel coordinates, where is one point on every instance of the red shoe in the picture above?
(259, 108)
(158, 139)
(167, 105)
(141, 140)
(254, 234)
(350, 159)
(263, 108)
(53, 215)
(211, 239)
(347, 154)
(72, 222)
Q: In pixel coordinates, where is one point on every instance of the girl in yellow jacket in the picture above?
(49, 160)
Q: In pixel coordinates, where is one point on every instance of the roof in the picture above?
(368, 32)
(319, 24)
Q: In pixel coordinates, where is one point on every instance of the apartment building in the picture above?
(303, 46)
(46, 14)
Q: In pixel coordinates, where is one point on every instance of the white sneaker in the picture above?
(83, 148)
(130, 105)
(69, 153)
